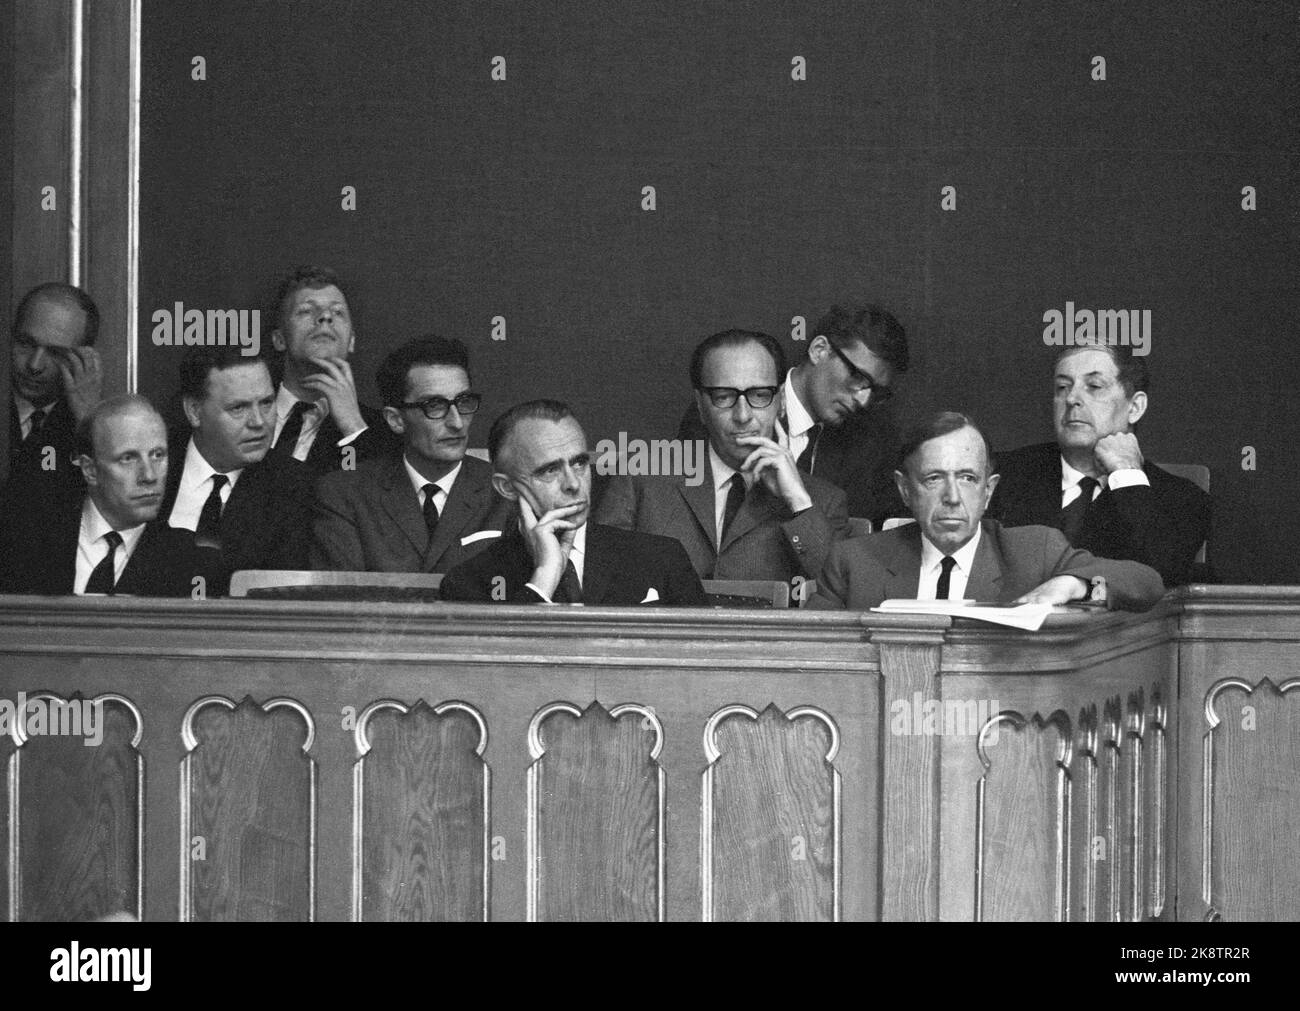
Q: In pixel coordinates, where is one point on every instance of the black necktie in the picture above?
(735, 499)
(288, 440)
(941, 590)
(430, 509)
(809, 455)
(1072, 515)
(102, 577)
(35, 422)
(570, 590)
(209, 525)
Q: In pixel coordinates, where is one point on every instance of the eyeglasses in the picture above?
(435, 408)
(726, 396)
(862, 380)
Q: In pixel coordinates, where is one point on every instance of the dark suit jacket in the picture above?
(369, 519)
(863, 571)
(764, 542)
(620, 569)
(38, 554)
(1162, 526)
(266, 523)
(858, 457)
(326, 456)
(29, 484)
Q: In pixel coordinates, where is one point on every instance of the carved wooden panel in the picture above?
(1252, 814)
(771, 820)
(422, 792)
(75, 830)
(596, 797)
(248, 811)
(1022, 818)
(1133, 815)
(1084, 793)
(1110, 814)
(1156, 768)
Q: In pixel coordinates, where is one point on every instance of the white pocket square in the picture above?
(651, 595)
(482, 535)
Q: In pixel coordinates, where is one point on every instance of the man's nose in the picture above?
(150, 470)
(862, 398)
(951, 496)
(571, 482)
(742, 413)
(453, 420)
(258, 418)
(37, 360)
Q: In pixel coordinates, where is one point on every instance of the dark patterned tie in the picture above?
(570, 589)
(288, 441)
(735, 499)
(1072, 516)
(35, 422)
(808, 458)
(431, 509)
(941, 590)
(103, 577)
(208, 529)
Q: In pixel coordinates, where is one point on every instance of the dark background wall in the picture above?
(522, 198)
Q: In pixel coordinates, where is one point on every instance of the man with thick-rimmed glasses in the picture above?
(428, 507)
(755, 515)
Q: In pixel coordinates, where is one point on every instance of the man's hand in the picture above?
(775, 467)
(334, 382)
(83, 379)
(1057, 590)
(549, 540)
(1118, 451)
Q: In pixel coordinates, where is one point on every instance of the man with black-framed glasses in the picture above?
(428, 507)
(755, 515)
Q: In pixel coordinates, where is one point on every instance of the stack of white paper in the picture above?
(1026, 616)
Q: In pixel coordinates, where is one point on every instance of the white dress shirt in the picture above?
(1128, 477)
(91, 546)
(932, 568)
(577, 555)
(27, 411)
(311, 422)
(195, 487)
(722, 473)
(442, 486)
(799, 424)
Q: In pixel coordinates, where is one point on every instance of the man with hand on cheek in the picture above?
(553, 554)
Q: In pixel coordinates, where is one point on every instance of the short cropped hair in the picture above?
(65, 294)
(307, 276)
(734, 339)
(874, 327)
(427, 349)
(84, 441)
(935, 426)
(198, 363)
(530, 410)
(1134, 374)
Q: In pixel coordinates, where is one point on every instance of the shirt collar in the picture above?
(94, 527)
(797, 419)
(285, 399)
(418, 480)
(26, 408)
(579, 543)
(964, 556)
(196, 471)
(722, 471)
(1071, 477)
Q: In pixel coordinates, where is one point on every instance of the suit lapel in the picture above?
(1045, 507)
(398, 499)
(903, 567)
(700, 500)
(145, 562)
(985, 580)
(597, 567)
(759, 505)
(461, 506)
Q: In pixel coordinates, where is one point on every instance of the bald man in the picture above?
(111, 542)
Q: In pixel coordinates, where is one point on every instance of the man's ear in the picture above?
(992, 483)
(352, 343)
(818, 349)
(191, 407)
(904, 492)
(86, 461)
(277, 339)
(1137, 407)
(504, 487)
(395, 420)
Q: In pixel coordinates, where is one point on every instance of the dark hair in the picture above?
(304, 277)
(198, 363)
(65, 294)
(84, 440)
(933, 427)
(1134, 375)
(734, 339)
(544, 410)
(427, 349)
(875, 328)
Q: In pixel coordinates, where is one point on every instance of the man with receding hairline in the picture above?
(112, 542)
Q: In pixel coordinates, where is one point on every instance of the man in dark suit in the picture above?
(56, 378)
(112, 542)
(1093, 483)
(553, 555)
(952, 552)
(754, 514)
(318, 420)
(429, 506)
(834, 418)
(218, 484)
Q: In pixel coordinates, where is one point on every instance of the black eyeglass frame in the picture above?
(732, 395)
(879, 391)
(443, 406)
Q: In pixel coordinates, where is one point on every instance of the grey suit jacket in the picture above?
(764, 542)
(1009, 562)
(369, 519)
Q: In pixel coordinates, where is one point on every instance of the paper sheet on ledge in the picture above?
(1030, 617)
